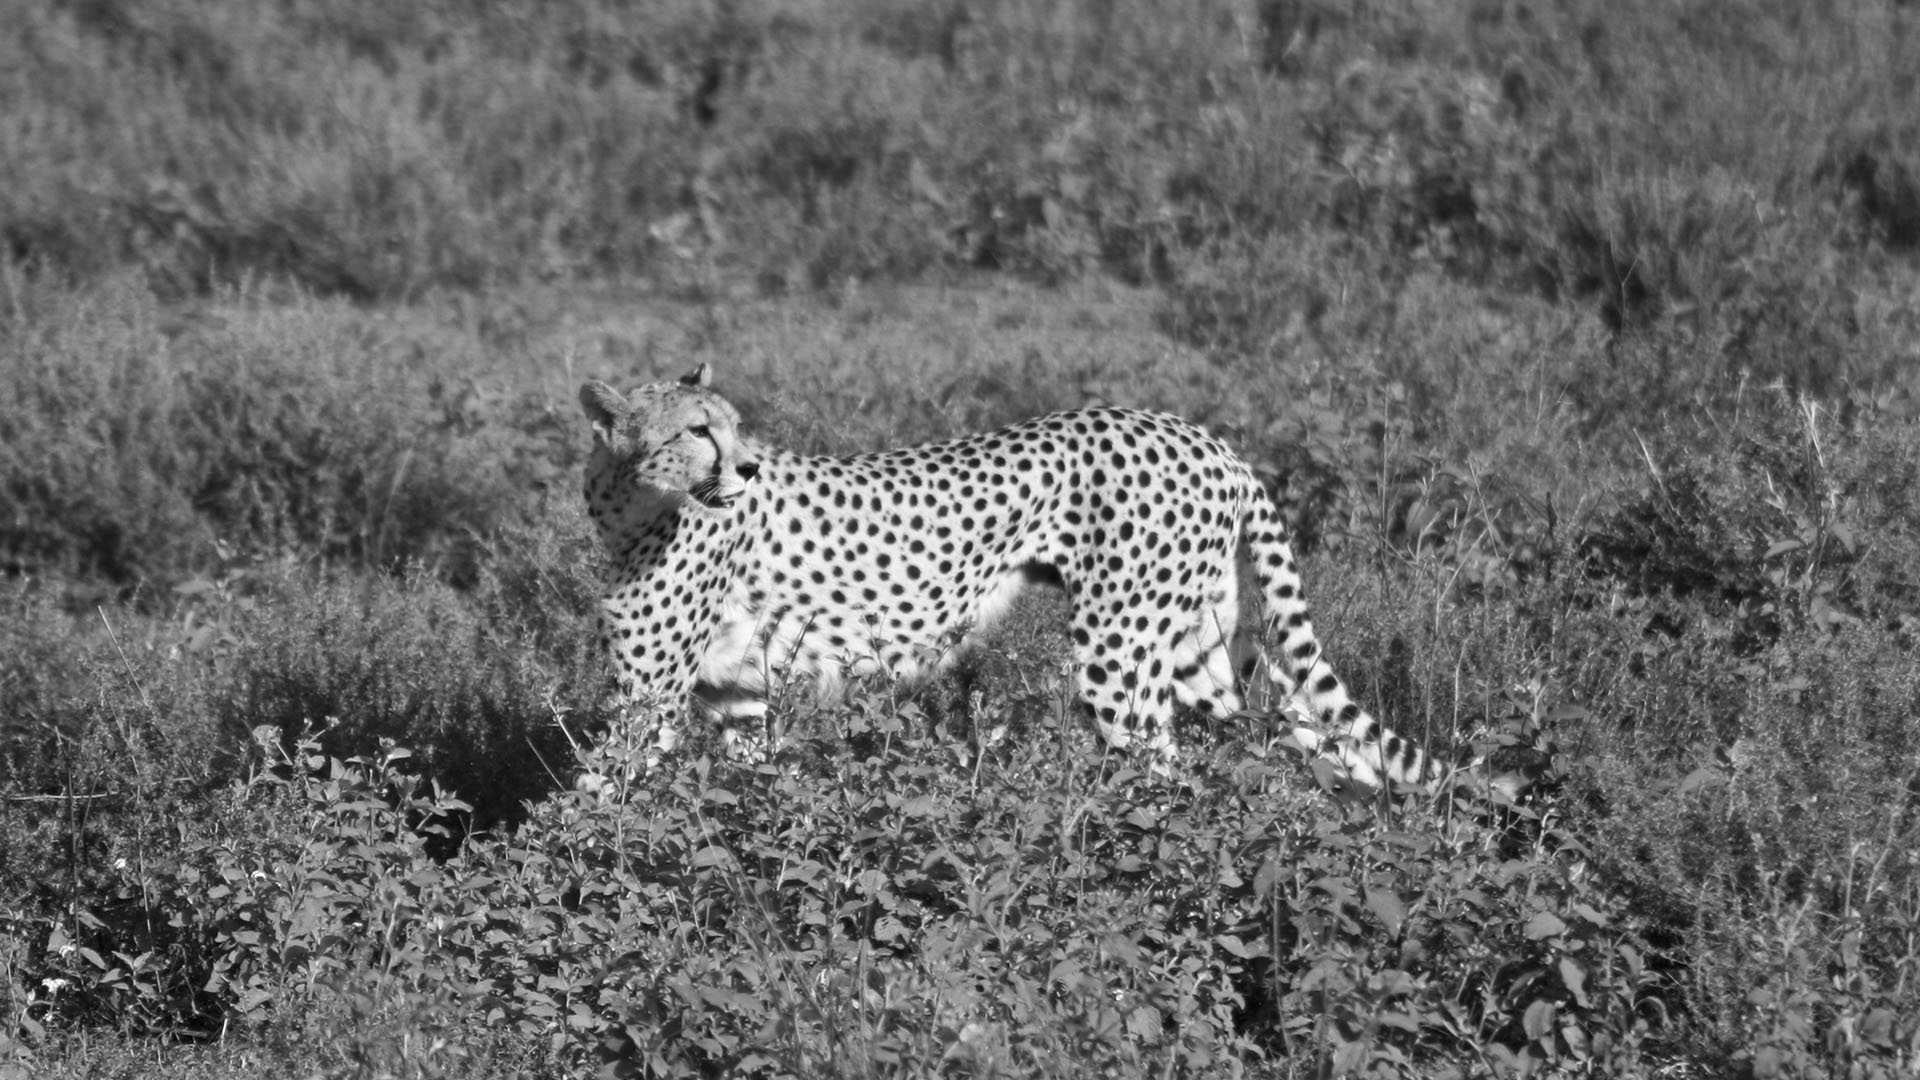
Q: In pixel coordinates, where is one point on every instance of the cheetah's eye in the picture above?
(699, 431)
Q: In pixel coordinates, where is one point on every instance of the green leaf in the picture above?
(1348, 1058)
(1544, 925)
(1398, 1020)
(1233, 945)
(1066, 974)
(1386, 906)
(1575, 979)
(1145, 1024)
(1538, 1020)
(1877, 1028)
(1588, 912)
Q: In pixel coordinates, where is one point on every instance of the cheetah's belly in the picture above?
(757, 653)
(767, 650)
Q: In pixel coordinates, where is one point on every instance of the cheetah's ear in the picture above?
(604, 407)
(699, 378)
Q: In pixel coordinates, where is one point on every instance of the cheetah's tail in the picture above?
(1367, 751)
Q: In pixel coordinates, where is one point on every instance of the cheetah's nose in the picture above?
(749, 470)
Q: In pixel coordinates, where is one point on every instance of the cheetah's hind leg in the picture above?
(1281, 699)
(1203, 670)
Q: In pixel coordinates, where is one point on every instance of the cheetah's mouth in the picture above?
(708, 492)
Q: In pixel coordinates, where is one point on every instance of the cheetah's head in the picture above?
(664, 446)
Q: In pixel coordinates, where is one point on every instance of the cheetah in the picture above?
(739, 571)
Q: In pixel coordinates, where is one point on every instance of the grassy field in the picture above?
(1579, 341)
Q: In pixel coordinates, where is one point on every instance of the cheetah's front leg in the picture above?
(642, 734)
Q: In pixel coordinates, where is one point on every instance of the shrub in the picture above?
(1007, 914)
(379, 660)
(1773, 525)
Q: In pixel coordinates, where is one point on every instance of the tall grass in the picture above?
(139, 447)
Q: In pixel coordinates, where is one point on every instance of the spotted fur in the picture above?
(739, 572)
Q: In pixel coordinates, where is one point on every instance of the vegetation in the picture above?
(1578, 339)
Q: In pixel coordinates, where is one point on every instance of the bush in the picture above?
(1008, 916)
(460, 678)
